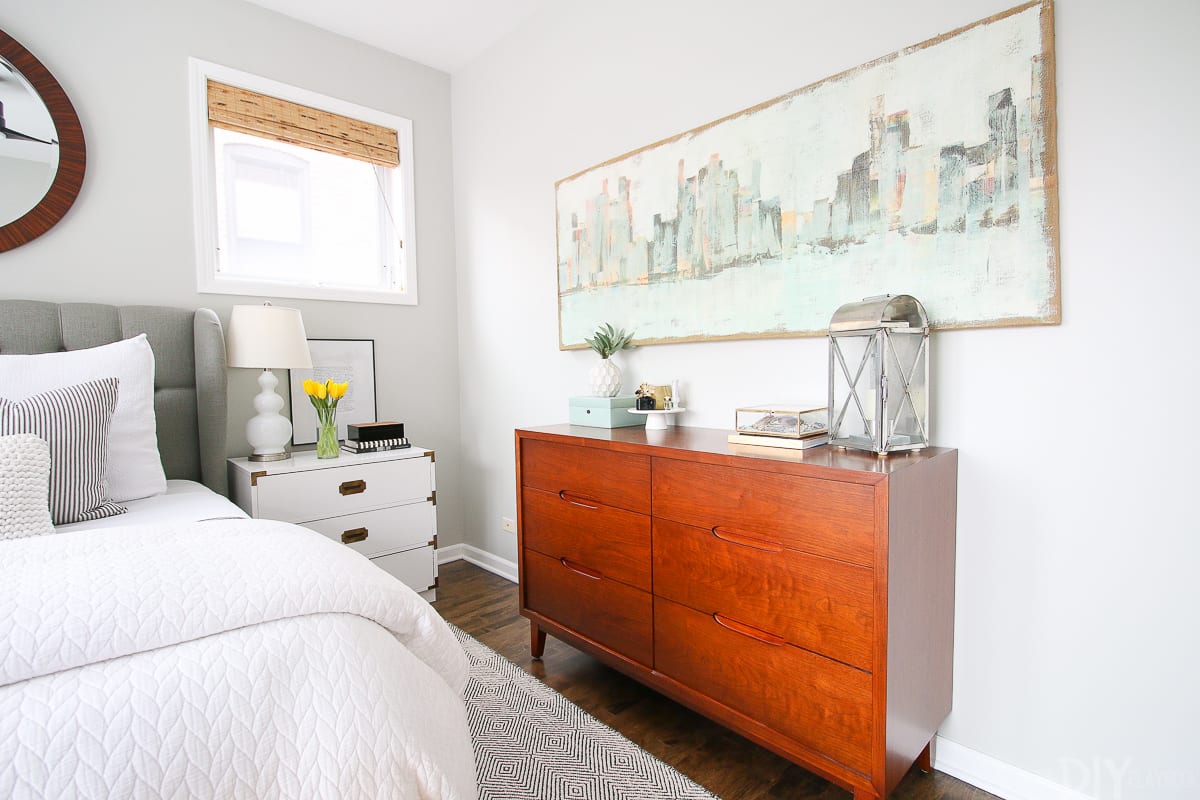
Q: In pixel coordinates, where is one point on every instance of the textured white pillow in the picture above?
(134, 467)
(24, 486)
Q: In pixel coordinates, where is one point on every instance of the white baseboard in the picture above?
(995, 776)
(480, 558)
(978, 769)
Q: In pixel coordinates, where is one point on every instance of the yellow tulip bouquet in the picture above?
(324, 398)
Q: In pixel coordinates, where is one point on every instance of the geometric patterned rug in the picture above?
(531, 743)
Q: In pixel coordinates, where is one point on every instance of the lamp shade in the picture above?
(267, 337)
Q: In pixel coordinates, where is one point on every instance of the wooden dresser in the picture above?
(804, 599)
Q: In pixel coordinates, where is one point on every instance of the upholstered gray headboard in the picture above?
(189, 369)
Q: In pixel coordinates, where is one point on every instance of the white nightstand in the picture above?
(381, 504)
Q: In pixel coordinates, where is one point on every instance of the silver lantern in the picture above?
(879, 375)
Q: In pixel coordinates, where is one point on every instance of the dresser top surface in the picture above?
(712, 442)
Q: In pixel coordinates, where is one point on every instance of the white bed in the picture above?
(181, 649)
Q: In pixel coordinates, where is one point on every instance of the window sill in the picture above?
(337, 294)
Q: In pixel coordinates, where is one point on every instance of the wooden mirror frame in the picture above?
(72, 155)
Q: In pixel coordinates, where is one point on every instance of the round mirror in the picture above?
(42, 154)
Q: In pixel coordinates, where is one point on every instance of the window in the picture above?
(298, 194)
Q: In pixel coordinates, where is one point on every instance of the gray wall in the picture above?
(129, 238)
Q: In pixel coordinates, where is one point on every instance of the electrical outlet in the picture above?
(508, 524)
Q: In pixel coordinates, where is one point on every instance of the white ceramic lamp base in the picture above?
(269, 431)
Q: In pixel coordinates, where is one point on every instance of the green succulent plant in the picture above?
(608, 340)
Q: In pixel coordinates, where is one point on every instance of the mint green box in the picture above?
(604, 412)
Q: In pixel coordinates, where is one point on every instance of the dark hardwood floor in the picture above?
(485, 606)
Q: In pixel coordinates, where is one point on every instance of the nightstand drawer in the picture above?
(414, 568)
(342, 488)
(382, 531)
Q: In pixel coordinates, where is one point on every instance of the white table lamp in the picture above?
(267, 337)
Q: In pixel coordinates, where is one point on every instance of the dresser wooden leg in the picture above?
(925, 760)
(537, 640)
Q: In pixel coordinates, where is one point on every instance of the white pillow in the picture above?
(24, 486)
(134, 467)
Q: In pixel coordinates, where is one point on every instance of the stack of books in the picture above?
(374, 437)
(777, 441)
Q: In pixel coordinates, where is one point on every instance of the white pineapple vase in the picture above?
(605, 378)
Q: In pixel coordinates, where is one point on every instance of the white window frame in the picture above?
(208, 278)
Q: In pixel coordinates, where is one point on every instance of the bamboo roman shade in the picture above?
(257, 114)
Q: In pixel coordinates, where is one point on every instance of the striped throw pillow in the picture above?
(74, 422)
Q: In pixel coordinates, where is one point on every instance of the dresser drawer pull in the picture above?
(584, 571)
(353, 487)
(745, 541)
(578, 500)
(354, 535)
(746, 630)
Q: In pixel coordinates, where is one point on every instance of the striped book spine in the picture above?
(352, 446)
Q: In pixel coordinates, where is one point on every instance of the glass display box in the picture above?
(879, 375)
(784, 420)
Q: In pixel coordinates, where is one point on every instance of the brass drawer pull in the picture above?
(584, 571)
(749, 632)
(354, 535)
(353, 487)
(579, 500)
(726, 535)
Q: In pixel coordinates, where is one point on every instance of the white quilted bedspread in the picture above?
(222, 659)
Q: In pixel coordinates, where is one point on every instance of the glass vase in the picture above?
(327, 437)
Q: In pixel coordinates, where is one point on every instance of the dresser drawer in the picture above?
(342, 489)
(827, 518)
(609, 613)
(589, 474)
(815, 701)
(603, 538)
(385, 530)
(816, 603)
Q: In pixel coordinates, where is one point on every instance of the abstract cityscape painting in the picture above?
(930, 172)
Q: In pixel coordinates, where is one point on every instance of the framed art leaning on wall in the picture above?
(931, 171)
(339, 360)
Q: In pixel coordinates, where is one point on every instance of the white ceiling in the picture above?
(446, 34)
